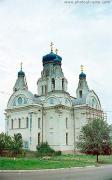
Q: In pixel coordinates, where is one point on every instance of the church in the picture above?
(52, 114)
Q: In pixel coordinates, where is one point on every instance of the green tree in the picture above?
(17, 144)
(95, 138)
(2, 142)
(5, 142)
(10, 145)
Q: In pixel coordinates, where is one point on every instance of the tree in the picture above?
(10, 145)
(2, 142)
(95, 138)
(5, 142)
(17, 144)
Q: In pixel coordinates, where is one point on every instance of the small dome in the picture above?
(82, 76)
(51, 58)
(21, 73)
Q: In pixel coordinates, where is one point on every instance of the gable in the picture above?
(93, 100)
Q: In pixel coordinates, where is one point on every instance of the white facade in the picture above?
(52, 115)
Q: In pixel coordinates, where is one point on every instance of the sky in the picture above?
(81, 31)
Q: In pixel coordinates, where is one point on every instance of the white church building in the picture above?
(52, 115)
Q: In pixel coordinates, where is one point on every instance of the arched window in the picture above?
(19, 122)
(20, 100)
(80, 93)
(63, 84)
(45, 89)
(39, 123)
(42, 90)
(51, 101)
(53, 83)
(25, 101)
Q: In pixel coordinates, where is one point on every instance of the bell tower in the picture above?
(52, 77)
(21, 83)
(83, 88)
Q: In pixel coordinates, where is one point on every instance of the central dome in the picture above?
(52, 58)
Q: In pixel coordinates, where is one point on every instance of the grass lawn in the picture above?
(62, 161)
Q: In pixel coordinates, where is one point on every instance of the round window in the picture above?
(51, 101)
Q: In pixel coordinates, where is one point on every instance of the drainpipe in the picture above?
(42, 121)
(74, 128)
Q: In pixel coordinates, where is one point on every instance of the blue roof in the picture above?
(52, 58)
(82, 75)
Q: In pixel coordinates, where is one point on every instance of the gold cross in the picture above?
(56, 50)
(51, 46)
(82, 68)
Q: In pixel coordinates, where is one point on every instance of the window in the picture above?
(53, 83)
(51, 101)
(66, 123)
(38, 138)
(30, 121)
(25, 144)
(12, 123)
(19, 100)
(80, 93)
(38, 122)
(19, 123)
(25, 101)
(27, 122)
(63, 84)
(42, 90)
(45, 89)
(66, 138)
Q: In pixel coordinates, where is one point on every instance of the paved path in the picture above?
(91, 173)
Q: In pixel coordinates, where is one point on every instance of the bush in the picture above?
(11, 146)
(45, 150)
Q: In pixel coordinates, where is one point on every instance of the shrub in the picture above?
(11, 146)
(44, 150)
